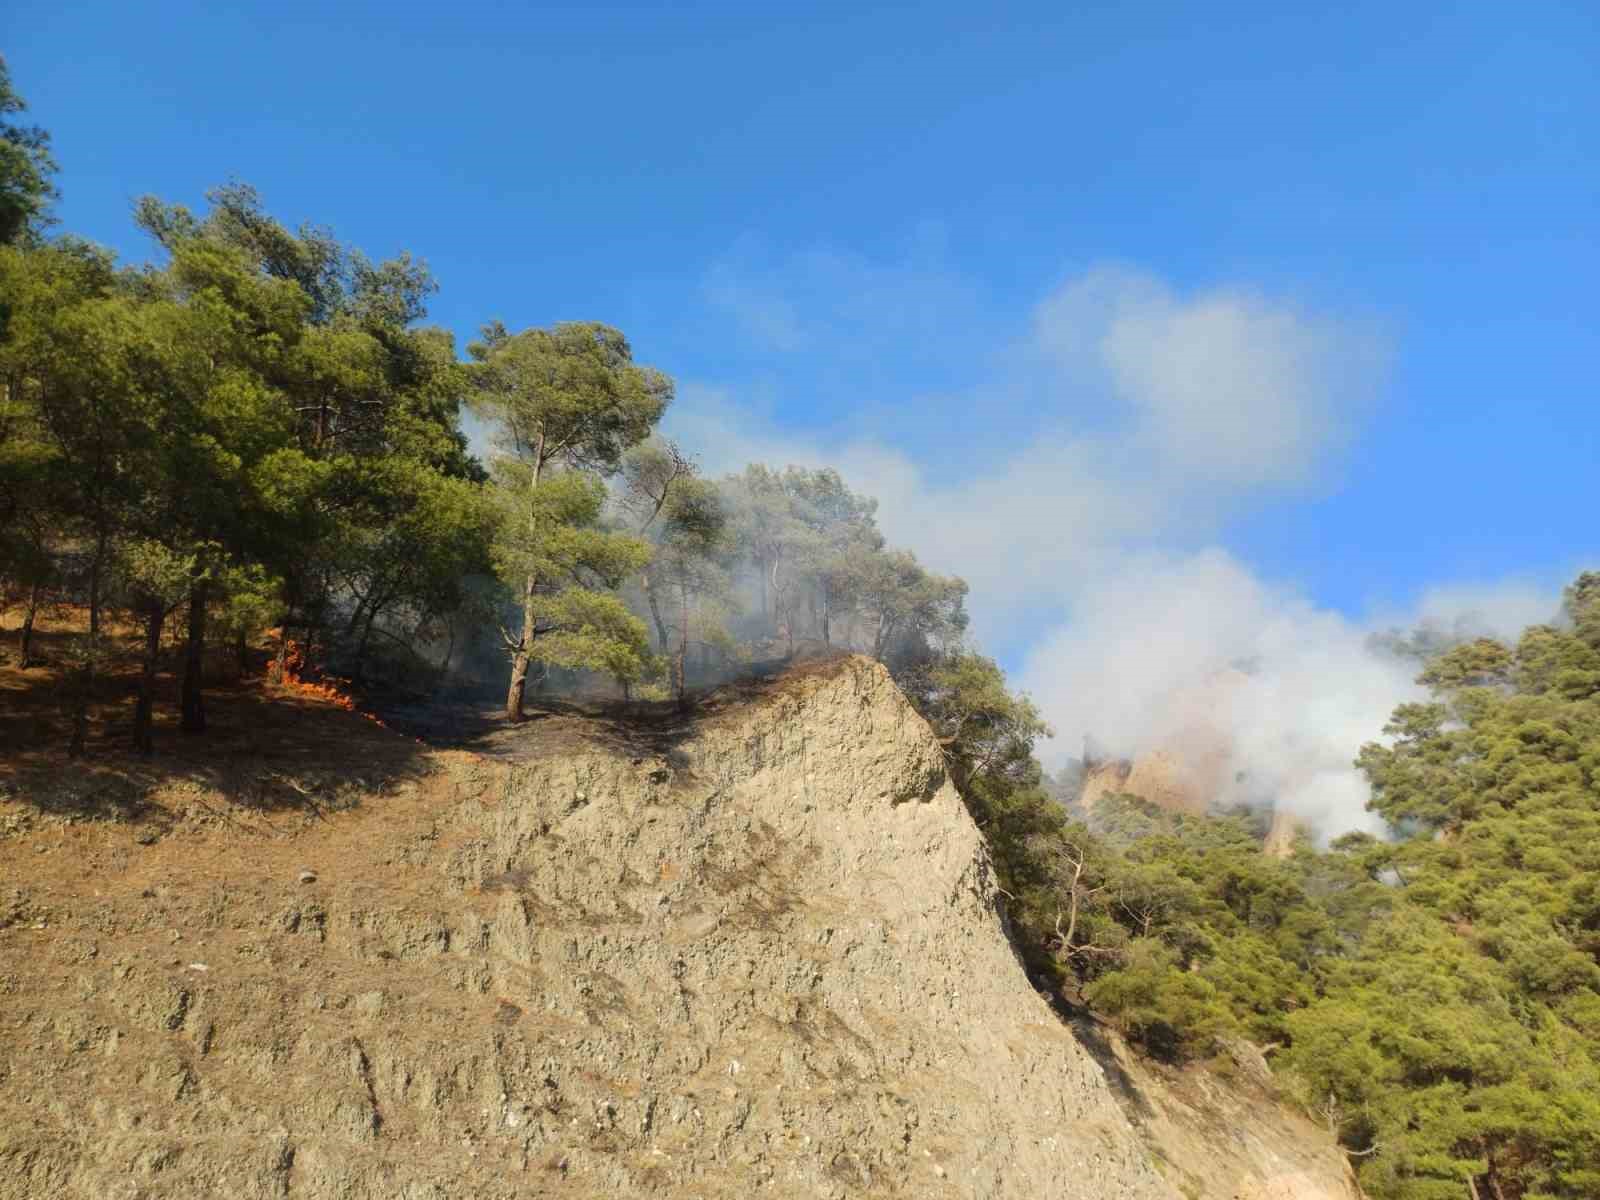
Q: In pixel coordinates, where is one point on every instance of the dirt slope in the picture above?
(1223, 1130)
(758, 956)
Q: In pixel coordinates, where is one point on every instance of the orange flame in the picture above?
(325, 689)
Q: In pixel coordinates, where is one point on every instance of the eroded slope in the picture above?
(759, 959)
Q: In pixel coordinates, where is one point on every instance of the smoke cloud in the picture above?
(1199, 657)
(1160, 415)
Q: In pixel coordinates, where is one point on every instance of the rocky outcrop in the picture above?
(1175, 784)
(759, 957)
(1161, 778)
(1283, 835)
(1197, 767)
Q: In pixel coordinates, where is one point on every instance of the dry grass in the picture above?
(264, 750)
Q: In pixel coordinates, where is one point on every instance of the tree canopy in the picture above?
(566, 404)
(27, 169)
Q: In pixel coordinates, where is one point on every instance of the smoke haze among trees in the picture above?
(1099, 539)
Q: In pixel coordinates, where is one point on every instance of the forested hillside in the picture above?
(252, 447)
(1434, 997)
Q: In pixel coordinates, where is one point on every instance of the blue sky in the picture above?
(844, 228)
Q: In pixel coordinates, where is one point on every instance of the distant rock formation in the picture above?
(1177, 785)
(1162, 778)
(1194, 771)
(1286, 830)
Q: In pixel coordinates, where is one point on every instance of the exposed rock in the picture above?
(1197, 768)
(761, 956)
(1162, 778)
(1175, 784)
(1282, 836)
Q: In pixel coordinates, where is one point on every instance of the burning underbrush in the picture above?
(301, 742)
(291, 672)
(295, 674)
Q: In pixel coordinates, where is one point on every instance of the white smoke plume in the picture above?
(1161, 415)
(1199, 657)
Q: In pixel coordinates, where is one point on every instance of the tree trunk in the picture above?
(361, 646)
(355, 617)
(143, 741)
(241, 652)
(827, 618)
(193, 699)
(522, 656)
(774, 573)
(519, 686)
(450, 647)
(80, 714)
(308, 647)
(663, 639)
(280, 660)
(25, 637)
(683, 651)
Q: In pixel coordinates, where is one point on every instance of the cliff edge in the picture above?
(756, 956)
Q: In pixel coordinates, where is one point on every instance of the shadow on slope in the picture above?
(264, 750)
(472, 718)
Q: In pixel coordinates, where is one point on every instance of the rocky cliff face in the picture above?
(758, 955)
(759, 958)
(1223, 1131)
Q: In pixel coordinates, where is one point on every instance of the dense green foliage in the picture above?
(566, 404)
(257, 432)
(253, 430)
(1435, 999)
(26, 168)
